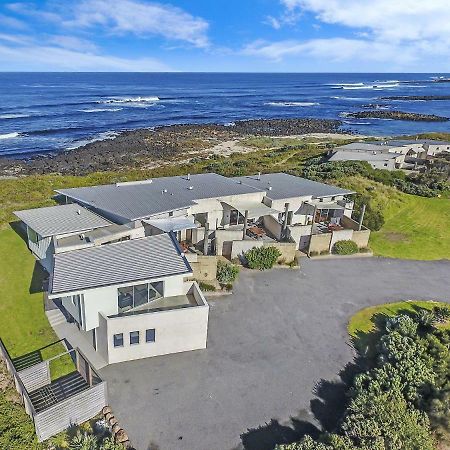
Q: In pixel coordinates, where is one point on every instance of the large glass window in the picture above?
(140, 294)
(125, 298)
(236, 218)
(134, 296)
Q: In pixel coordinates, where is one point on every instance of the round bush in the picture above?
(345, 248)
(262, 257)
(226, 273)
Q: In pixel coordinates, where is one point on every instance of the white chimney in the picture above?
(258, 177)
(188, 176)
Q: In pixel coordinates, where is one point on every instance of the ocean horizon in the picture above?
(48, 112)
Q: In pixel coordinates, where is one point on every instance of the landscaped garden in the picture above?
(398, 397)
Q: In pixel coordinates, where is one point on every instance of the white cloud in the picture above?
(11, 22)
(35, 57)
(273, 22)
(386, 35)
(399, 20)
(73, 43)
(333, 49)
(137, 17)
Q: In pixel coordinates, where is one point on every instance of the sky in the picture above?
(225, 35)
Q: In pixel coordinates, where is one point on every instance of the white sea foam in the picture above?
(9, 135)
(99, 110)
(100, 137)
(139, 99)
(292, 104)
(13, 116)
(348, 122)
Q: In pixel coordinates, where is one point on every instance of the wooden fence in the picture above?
(83, 404)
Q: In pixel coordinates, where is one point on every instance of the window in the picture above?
(150, 335)
(138, 295)
(125, 298)
(170, 213)
(33, 236)
(134, 337)
(236, 218)
(118, 340)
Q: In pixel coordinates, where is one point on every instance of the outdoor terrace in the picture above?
(56, 392)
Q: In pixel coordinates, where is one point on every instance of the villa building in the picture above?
(120, 257)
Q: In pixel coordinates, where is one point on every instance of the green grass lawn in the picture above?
(24, 327)
(416, 228)
(363, 326)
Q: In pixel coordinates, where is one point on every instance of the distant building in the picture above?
(406, 154)
(377, 159)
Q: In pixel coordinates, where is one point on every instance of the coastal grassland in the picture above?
(364, 326)
(415, 227)
(24, 327)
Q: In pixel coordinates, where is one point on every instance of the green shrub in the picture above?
(262, 258)
(441, 314)
(324, 252)
(206, 286)
(226, 273)
(364, 250)
(314, 253)
(345, 248)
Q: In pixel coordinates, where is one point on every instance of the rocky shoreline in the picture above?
(397, 115)
(150, 147)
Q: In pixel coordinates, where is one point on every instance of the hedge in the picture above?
(345, 248)
(262, 258)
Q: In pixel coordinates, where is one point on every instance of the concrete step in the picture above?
(55, 317)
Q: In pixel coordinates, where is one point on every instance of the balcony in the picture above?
(192, 297)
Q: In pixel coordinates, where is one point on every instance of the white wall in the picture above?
(272, 225)
(176, 330)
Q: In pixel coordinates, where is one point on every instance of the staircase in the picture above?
(55, 317)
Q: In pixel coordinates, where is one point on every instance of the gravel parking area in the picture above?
(269, 345)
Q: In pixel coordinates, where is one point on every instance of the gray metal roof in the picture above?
(367, 146)
(282, 185)
(362, 156)
(406, 142)
(61, 219)
(141, 199)
(119, 263)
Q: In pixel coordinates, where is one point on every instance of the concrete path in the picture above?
(269, 345)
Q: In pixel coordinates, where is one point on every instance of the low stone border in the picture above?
(119, 434)
(217, 293)
(332, 256)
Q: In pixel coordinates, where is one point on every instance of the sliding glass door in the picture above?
(134, 296)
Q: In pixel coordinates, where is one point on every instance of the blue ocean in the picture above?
(48, 112)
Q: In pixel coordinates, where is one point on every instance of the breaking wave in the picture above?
(292, 104)
(99, 110)
(13, 116)
(151, 99)
(10, 135)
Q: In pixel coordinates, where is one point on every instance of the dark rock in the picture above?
(135, 148)
(397, 115)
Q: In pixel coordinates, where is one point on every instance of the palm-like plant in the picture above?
(84, 441)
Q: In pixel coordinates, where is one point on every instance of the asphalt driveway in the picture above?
(275, 349)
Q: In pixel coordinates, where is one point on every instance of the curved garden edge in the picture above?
(363, 326)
